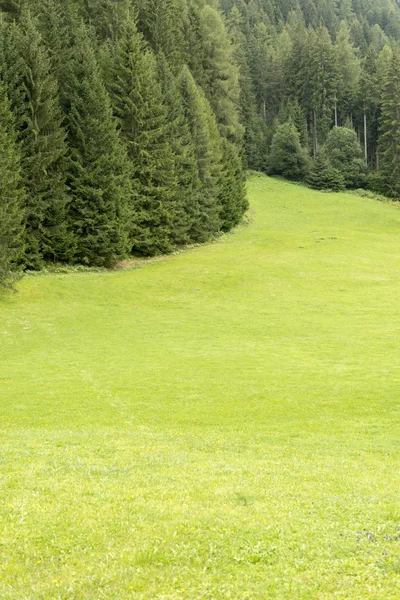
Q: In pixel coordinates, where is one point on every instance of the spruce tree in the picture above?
(162, 22)
(35, 102)
(207, 147)
(348, 73)
(143, 122)
(322, 176)
(287, 157)
(187, 188)
(390, 126)
(233, 194)
(344, 152)
(11, 197)
(99, 175)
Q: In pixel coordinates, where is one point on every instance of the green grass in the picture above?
(222, 423)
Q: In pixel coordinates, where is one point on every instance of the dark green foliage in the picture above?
(162, 23)
(11, 197)
(233, 197)
(98, 177)
(187, 182)
(390, 126)
(34, 94)
(186, 96)
(143, 121)
(322, 176)
(208, 152)
(344, 152)
(287, 157)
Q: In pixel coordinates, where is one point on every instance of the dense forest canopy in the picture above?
(127, 125)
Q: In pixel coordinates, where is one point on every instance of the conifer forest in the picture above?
(127, 126)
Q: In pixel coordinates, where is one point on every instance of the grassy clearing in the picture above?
(221, 424)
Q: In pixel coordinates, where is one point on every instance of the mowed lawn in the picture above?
(223, 423)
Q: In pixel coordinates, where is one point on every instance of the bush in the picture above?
(376, 182)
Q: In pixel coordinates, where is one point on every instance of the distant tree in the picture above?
(390, 126)
(348, 73)
(345, 154)
(287, 157)
(11, 197)
(322, 176)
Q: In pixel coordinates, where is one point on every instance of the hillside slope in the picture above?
(222, 423)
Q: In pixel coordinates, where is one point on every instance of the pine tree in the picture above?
(207, 147)
(390, 126)
(99, 175)
(287, 157)
(322, 176)
(35, 102)
(344, 152)
(11, 197)
(322, 82)
(233, 195)
(187, 181)
(255, 131)
(348, 73)
(221, 74)
(143, 121)
(162, 22)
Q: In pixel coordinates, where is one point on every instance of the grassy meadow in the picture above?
(222, 423)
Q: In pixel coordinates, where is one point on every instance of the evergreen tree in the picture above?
(287, 157)
(322, 176)
(143, 121)
(11, 197)
(233, 196)
(162, 22)
(390, 126)
(221, 76)
(344, 152)
(187, 181)
(99, 175)
(207, 147)
(348, 73)
(35, 102)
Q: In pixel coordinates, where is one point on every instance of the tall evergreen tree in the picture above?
(162, 22)
(143, 122)
(287, 157)
(11, 197)
(344, 152)
(187, 182)
(348, 73)
(35, 102)
(390, 126)
(99, 175)
(207, 146)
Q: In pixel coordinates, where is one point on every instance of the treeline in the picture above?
(308, 66)
(120, 131)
